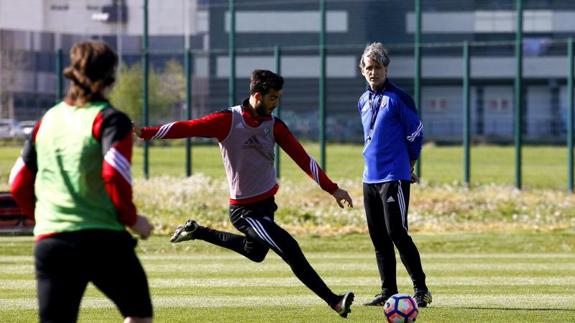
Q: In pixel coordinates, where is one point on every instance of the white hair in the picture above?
(376, 52)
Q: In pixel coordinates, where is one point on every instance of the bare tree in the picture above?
(11, 62)
(4, 113)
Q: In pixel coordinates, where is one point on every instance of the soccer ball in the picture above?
(400, 308)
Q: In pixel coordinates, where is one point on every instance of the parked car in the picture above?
(27, 126)
(10, 128)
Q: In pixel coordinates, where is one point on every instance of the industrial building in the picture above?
(28, 62)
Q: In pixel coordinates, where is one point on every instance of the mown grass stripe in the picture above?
(493, 267)
(332, 281)
(19, 269)
(429, 257)
(366, 266)
(519, 301)
(369, 255)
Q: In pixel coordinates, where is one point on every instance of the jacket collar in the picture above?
(386, 86)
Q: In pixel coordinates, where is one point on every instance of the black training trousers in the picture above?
(386, 206)
(66, 262)
(256, 221)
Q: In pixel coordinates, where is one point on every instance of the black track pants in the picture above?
(386, 206)
(66, 262)
(256, 221)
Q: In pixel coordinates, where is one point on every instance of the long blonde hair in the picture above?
(92, 70)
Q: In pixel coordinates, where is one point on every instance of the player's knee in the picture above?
(258, 257)
(257, 254)
(398, 236)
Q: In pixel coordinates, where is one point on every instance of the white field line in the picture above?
(17, 269)
(367, 265)
(370, 255)
(167, 283)
(331, 255)
(515, 301)
(9, 259)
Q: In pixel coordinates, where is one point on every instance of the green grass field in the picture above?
(491, 253)
(520, 277)
(543, 166)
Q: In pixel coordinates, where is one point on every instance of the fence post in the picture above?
(277, 58)
(59, 76)
(570, 112)
(188, 71)
(232, 54)
(466, 113)
(518, 118)
(417, 76)
(146, 75)
(322, 80)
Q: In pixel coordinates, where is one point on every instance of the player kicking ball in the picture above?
(246, 135)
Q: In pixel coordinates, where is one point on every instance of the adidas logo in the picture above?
(390, 199)
(252, 141)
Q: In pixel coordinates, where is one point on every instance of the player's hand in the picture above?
(142, 227)
(342, 195)
(414, 178)
(137, 130)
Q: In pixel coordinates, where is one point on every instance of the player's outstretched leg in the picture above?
(343, 306)
(185, 232)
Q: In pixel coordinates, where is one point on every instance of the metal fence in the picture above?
(505, 77)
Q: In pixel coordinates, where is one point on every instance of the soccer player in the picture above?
(246, 134)
(393, 135)
(74, 177)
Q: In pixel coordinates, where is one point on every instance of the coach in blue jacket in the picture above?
(393, 135)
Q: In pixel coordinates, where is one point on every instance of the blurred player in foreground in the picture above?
(246, 134)
(74, 177)
(393, 135)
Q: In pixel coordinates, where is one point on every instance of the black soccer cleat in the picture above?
(422, 297)
(379, 299)
(343, 307)
(185, 232)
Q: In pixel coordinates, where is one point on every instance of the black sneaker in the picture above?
(379, 299)
(185, 232)
(343, 306)
(422, 297)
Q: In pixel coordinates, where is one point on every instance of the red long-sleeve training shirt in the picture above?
(217, 125)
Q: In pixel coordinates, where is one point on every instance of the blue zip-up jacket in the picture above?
(394, 138)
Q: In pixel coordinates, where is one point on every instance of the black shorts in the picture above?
(67, 262)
